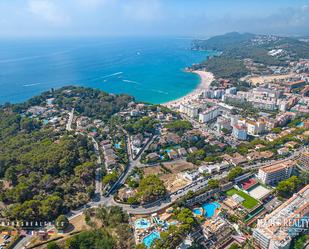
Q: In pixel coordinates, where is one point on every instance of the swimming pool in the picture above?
(118, 145)
(149, 239)
(210, 209)
(197, 211)
(301, 124)
(142, 224)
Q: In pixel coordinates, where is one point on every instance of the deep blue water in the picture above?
(151, 69)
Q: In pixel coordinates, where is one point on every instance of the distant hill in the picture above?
(235, 47)
(223, 42)
(253, 46)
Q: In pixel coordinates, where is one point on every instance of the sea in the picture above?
(150, 69)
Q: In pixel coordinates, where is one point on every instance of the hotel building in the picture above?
(278, 228)
(276, 172)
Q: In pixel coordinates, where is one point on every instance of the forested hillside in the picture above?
(45, 171)
(235, 47)
(90, 102)
(45, 174)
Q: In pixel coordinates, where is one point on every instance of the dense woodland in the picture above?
(44, 173)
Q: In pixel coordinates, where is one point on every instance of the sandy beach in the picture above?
(206, 79)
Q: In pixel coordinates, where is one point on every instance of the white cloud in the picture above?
(143, 10)
(93, 3)
(48, 10)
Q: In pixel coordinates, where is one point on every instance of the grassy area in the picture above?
(248, 203)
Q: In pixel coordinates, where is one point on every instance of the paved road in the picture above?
(194, 186)
(23, 242)
(98, 172)
(293, 155)
(133, 163)
(70, 120)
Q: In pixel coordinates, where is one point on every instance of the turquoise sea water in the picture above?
(151, 69)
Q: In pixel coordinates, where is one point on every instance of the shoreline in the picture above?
(206, 78)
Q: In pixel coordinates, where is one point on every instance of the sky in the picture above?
(29, 18)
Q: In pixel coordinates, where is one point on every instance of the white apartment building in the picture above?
(189, 109)
(275, 231)
(266, 104)
(276, 172)
(223, 123)
(255, 128)
(209, 114)
(260, 92)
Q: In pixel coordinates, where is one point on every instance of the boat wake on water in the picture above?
(111, 75)
(131, 81)
(158, 91)
(34, 84)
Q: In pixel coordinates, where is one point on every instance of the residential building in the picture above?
(232, 90)
(190, 110)
(233, 98)
(266, 104)
(213, 93)
(190, 175)
(208, 169)
(283, 151)
(292, 85)
(172, 154)
(263, 93)
(282, 105)
(284, 118)
(240, 132)
(209, 114)
(234, 120)
(303, 160)
(276, 172)
(192, 149)
(182, 152)
(160, 116)
(256, 155)
(223, 123)
(255, 128)
(278, 228)
(218, 93)
(152, 156)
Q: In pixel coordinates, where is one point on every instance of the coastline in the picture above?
(205, 80)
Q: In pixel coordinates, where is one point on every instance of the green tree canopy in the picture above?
(62, 222)
(237, 171)
(150, 189)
